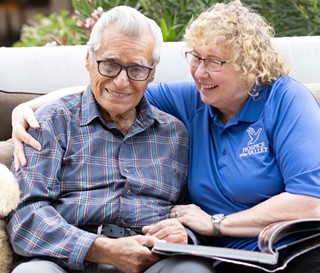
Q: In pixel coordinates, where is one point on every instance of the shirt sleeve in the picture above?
(178, 98)
(293, 125)
(36, 228)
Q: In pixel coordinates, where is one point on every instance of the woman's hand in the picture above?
(170, 230)
(194, 218)
(22, 118)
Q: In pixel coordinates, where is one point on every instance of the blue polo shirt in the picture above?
(272, 145)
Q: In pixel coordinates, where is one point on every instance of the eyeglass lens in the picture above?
(210, 64)
(134, 72)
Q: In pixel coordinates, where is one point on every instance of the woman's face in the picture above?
(225, 89)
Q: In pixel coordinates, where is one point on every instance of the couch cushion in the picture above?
(9, 100)
(315, 89)
(6, 152)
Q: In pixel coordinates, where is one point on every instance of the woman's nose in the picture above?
(201, 70)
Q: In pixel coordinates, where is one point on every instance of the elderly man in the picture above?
(98, 193)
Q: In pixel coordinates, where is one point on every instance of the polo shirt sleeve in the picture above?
(293, 126)
(177, 98)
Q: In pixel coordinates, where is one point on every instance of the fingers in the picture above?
(28, 139)
(33, 123)
(153, 229)
(127, 254)
(193, 217)
(20, 137)
(179, 211)
(145, 229)
(170, 230)
(147, 240)
(19, 157)
(23, 118)
(174, 214)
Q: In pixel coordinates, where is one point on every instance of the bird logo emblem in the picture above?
(254, 135)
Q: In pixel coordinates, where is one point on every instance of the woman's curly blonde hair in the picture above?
(245, 34)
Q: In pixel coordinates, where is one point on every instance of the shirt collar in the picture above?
(253, 107)
(250, 112)
(146, 116)
(89, 107)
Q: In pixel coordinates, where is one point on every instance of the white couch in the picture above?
(44, 69)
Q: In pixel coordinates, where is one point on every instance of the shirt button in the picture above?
(126, 170)
(224, 152)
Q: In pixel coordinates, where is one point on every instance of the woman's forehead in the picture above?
(214, 50)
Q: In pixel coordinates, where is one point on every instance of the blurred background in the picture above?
(68, 22)
(15, 13)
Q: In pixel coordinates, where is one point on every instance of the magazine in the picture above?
(292, 237)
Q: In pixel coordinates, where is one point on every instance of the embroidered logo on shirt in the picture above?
(254, 135)
(253, 147)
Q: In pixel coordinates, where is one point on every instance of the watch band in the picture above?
(216, 221)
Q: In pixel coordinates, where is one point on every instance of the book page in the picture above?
(214, 252)
(275, 232)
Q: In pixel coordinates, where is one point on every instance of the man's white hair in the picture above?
(128, 21)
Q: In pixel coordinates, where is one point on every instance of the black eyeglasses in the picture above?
(112, 69)
(212, 65)
(134, 71)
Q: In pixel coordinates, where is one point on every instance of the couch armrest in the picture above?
(6, 152)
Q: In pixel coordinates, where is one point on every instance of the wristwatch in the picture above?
(216, 220)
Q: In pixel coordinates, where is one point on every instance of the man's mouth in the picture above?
(116, 94)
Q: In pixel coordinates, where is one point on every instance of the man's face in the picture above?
(120, 95)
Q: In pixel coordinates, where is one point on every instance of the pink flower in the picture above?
(80, 23)
(90, 22)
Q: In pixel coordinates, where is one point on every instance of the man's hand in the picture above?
(22, 118)
(129, 254)
(170, 230)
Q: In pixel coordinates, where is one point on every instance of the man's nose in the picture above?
(122, 79)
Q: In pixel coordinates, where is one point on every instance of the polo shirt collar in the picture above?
(250, 112)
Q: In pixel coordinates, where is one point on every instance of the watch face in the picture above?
(217, 217)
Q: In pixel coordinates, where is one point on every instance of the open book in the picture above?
(292, 237)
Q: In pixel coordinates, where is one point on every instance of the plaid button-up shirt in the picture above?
(89, 173)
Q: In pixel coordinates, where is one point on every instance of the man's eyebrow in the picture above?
(117, 59)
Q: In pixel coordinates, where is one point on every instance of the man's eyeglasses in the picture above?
(112, 69)
(134, 71)
(211, 65)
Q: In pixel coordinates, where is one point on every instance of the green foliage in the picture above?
(172, 15)
(288, 17)
(58, 28)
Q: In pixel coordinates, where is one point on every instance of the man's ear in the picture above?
(153, 72)
(152, 75)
